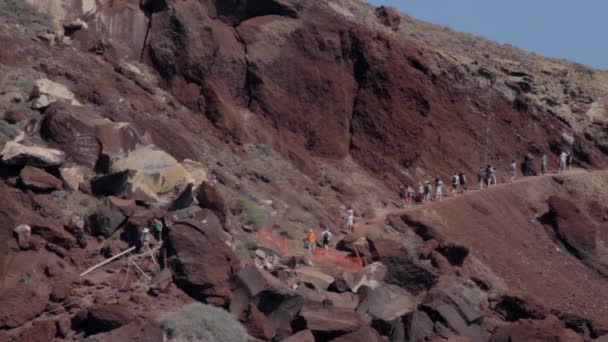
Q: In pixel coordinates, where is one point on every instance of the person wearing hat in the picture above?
(145, 238)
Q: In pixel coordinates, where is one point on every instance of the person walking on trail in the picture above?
(463, 182)
(543, 164)
(481, 177)
(491, 175)
(157, 228)
(428, 190)
(420, 193)
(561, 162)
(455, 183)
(311, 241)
(512, 170)
(438, 189)
(326, 237)
(569, 160)
(409, 196)
(145, 239)
(350, 219)
(403, 195)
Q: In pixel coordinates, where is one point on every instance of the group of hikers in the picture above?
(427, 191)
(311, 239)
(486, 177)
(157, 232)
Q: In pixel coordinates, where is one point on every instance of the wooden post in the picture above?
(107, 261)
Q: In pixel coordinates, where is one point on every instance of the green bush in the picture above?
(201, 322)
(251, 213)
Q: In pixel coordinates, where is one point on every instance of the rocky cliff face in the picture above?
(241, 124)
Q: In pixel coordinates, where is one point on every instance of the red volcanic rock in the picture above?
(20, 304)
(201, 263)
(40, 331)
(572, 225)
(302, 336)
(103, 318)
(88, 138)
(365, 334)
(330, 320)
(513, 308)
(137, 331)
(61, 290)
(53, 232)
(389, 17)
(548, 330)
(386, 302)
(257, 323)
(419, 326)
(403, 270)
(210, 197)
(39, 179)
(106, 220)
(12, 117)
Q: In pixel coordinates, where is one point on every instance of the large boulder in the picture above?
(403, 270)
(103, 318)
(184, 200)
(302, 336)
(356, 245)
(47, 92)
(201, 263)
(314, 276)
(364, 334)
(15, 153)
(346, 300)
(577, 232)
(418, 326)
(151, 173)
(273, 297)
(210, 197)
(73, 177)
(513, 308)
(257, 323)
(138, 330)
(370, 276)
(87, 137)
(106, 220)
(53, 232)
(38, 179)
(386, 302)
(459, 309)
(326, 320)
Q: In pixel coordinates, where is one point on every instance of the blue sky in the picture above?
(573, 29)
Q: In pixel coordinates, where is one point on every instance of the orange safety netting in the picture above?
(320, 256)
(325, 257)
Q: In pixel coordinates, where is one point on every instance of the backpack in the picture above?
(455, 179)
(326, 236)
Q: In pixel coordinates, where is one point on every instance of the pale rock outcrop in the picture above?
(47, 92)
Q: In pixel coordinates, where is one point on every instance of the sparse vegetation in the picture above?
(22, 13)
(250, 211)
(200, 322)
(242, 252)
(25, 279)
(265, 149)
